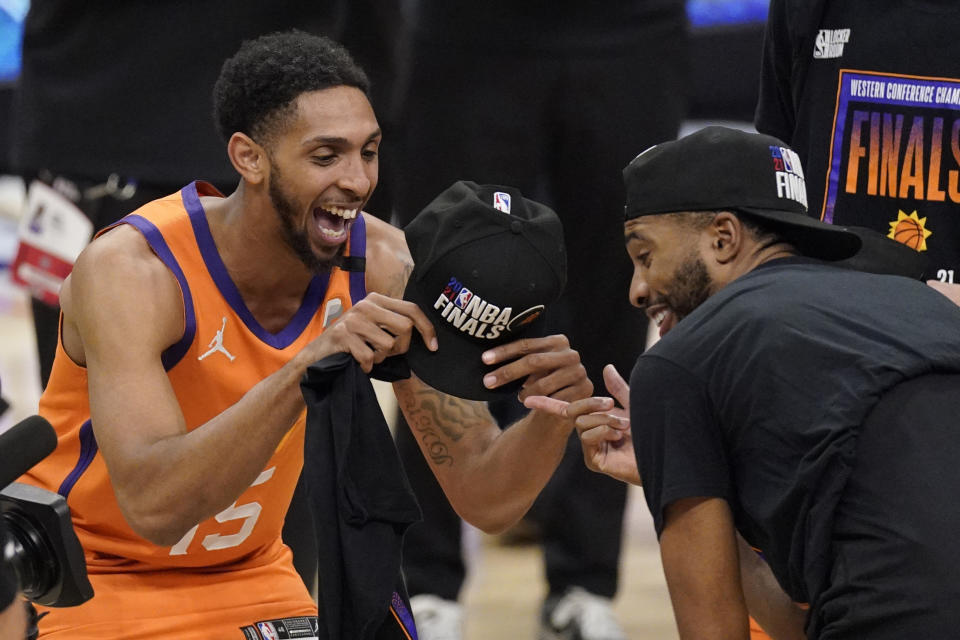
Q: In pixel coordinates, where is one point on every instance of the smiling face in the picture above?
(670, 276)
(323, 168)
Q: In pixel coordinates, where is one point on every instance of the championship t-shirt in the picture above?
(868, 94)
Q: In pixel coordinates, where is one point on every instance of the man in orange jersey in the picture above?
(186, 330)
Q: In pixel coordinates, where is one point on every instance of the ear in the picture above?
(248, 158)
(727, 237)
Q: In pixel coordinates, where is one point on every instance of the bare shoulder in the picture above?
(118, 283)
(121, 256)
(388, 259)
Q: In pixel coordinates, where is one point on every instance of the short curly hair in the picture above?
(258, 87)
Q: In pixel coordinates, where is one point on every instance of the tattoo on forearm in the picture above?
(440, 420)
(436, 447)
(399, 278)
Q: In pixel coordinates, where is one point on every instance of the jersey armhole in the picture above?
(175, 352)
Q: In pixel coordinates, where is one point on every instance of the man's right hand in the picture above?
(604, 429)
(374, 329)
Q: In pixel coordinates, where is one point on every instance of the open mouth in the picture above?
(333, 222)
(663, 317)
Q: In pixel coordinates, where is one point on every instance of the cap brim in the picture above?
(456, 368)
(810, 236)
(880, 254)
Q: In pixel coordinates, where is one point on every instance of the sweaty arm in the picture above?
(491, 477)
(122, 307)
(682, 459)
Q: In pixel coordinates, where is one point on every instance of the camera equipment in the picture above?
(24, 445)
(36, 534)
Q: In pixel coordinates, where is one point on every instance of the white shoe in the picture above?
(436, 618)
(579, 615)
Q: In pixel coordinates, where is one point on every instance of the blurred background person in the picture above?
(874, 119)
(553, 98)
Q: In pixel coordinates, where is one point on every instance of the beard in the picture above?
(690, 288)
(297, 239)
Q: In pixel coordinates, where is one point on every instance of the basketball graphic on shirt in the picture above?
(910, 230)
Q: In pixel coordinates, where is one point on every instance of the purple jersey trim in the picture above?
(88, 450)
(174, 353)
(399, 605)
(358, 248)
(221, 277)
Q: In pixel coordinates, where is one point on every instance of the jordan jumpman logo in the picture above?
(217, 344)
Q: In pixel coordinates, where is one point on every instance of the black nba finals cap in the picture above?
(487, 264)
(717, 169)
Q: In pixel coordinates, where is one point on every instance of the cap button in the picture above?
(515, 226)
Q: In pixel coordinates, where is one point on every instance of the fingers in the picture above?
(590, 421)
(616, 385)
(548, 365)
(362, 352)
(378, 327)
(550, 405)
(398, 317)
(519, 348)
(601, 435)
(587, 412)
(566, 383)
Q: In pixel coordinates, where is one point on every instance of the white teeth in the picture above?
(346, 214)
(660, 316)
(329, 234)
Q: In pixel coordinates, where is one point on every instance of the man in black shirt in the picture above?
(809, 408)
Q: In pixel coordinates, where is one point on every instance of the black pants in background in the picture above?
(560, 127)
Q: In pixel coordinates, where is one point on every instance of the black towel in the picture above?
(360, 499)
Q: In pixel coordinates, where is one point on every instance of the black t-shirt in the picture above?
(757, 397)
(868, 94)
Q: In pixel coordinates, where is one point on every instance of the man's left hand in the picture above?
(604, 429)
(549, 365)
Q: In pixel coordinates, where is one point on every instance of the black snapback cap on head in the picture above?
(487, 264)
(718, 168)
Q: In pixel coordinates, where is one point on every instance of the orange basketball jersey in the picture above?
(232, 570)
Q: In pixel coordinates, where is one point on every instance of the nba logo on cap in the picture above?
(483, 279)
(463, 298)
(501, 201)
(268, 631)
